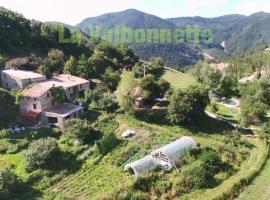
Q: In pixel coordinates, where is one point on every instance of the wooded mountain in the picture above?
(237, 33)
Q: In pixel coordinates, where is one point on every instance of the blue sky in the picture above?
(73, 11)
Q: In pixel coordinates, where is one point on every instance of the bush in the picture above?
(211, 160)
(81, 130)
(266, 129)
(186, 105)
(107, 143)
(8, 184)
(43, 153)
(108, 103)
(4, 133)
(197, 176)
(214, 107)
(144, 183)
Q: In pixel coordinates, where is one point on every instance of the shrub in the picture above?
(43, 153)
(126, 155)
(81, 130)
(197, 176)
(8, 184)
(4, 133)
(108, 103)
(186, 105)
(214, 107)
(144, 183)
(107, 143)
(211, 160)
(58, 94)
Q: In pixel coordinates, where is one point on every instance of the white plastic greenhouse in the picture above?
(165, 156)
(141, 166)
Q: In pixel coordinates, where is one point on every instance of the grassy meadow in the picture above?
(178, 79)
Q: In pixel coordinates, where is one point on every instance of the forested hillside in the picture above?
(232, 34)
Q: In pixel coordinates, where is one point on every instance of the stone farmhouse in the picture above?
(39, 105)
(19, 79)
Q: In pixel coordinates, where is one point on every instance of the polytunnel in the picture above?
(170, 153)
(165, 156)
(141, 166)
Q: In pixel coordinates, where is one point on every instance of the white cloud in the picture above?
(250, 7)
(197, 6)
(71, 12)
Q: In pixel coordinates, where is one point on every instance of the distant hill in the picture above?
(131, 18)
(173, 55)
(232, 34)
(216, 23)
(249, 32)
(59, 23)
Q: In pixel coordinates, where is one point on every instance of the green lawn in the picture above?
(231, 114)
(96, 176)
(260, 187)
(178, 80)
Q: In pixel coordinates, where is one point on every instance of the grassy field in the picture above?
(260, 187)
(97, 177)
(178, 80)
(94, 179)
(231, 114)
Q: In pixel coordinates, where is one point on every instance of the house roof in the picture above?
(63, 110)
(21, 74)
(63, 80)
(36, 90)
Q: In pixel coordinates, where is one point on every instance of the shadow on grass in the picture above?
(24, 191)
(203, 124)
(208, 125)
(91, 115)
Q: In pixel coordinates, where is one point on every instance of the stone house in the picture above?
(19, 79)
(38, 103)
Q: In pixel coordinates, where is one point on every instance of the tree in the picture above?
(266, 129)
(58, 94)
(187, 105)
(93, 96)
(3, 61)
(71, 66)
(43, 153)
(55, 61)
(7, 106)
(81, 130)
(111, 79)
(124, 91)
(252, 110)
(8, 184)
(150, 88)
(226, 87)
(164, 87)
(23, 63)
(108, 103)
(156, 64)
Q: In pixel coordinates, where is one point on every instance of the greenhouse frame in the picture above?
(165, 156)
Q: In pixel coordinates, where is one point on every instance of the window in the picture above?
(35, 99)
(81, 86)
(48, 95)
(34, 106)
